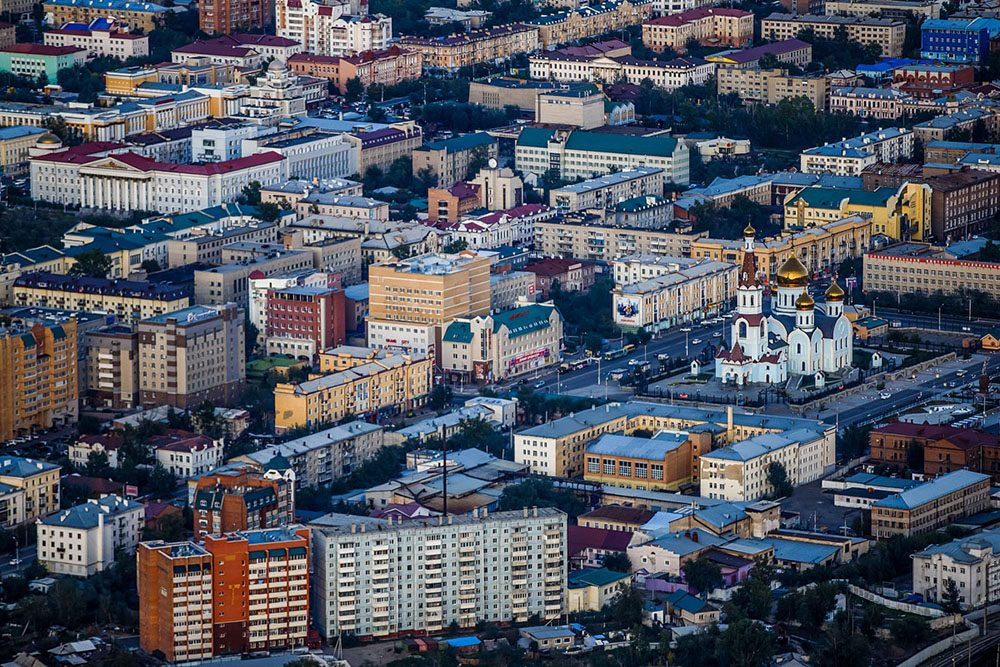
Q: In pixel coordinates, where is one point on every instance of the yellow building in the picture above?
(387, 385)
(820, 248)
(889, 34)
(38, 479)
(411, 300)
(596, 19)
(14, 144)
(901, 214)
(139, 15)
(590, 589)
(130, 301)
(475, 47)
(380, 148)
(38, 371)
(771, 86)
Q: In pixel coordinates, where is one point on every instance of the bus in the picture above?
(628, 349)
(615, 354)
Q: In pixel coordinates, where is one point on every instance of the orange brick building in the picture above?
(945, 448)
(664, 462)
(450, 204)
(244, 499)
(244, 592)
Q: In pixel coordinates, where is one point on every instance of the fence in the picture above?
(915, 609)
(939, 648)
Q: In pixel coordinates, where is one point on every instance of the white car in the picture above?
(14, 562)
(686, 329)
(885, 395)
(717, 334)
(696, 341)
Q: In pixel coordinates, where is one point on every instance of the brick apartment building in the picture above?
(229, 501)
(248, 591)
(945, 448)
(303, 321)
(572, 275)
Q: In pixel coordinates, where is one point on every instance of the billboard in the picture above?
(628, 311)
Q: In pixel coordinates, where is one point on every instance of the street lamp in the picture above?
(939, 316)
(687, 352)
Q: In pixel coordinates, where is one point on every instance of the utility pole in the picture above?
(444, 471)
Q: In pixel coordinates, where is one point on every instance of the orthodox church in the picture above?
(792, 336)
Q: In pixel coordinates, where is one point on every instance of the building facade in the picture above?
(888, 34)
(932, 505)
(973, 563)
(709, 26)
(86, 539)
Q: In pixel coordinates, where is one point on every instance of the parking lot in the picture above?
(817, 510)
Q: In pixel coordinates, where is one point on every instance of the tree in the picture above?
(540, 493)
(703, 574)
(250, 194)
(440, 397)
(98, 464)
(951, 599)
(206, 421)
(478, 434)
(909, 631)
(842, 646)
(269, 212)
(162, 482)
(400, 172)
(746, 643)
(92, 263)
(617, 562)
(353, 90)
(458, 245)
(150, 265)
(753, 598)
(170, 528)
(627, 608)
(777, 477)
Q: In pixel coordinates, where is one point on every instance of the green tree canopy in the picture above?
(92, 263)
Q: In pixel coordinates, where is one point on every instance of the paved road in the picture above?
(27, 555)
(960, 324)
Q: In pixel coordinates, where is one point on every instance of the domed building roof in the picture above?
(804, 302)
(749, 231)
(834, 292)
(49, 139)
(792, 273)
(275, 66)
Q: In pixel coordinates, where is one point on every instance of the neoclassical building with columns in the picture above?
(107, 175)
(791, 335)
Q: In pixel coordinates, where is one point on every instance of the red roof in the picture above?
(579, 538)
(143, 163)
(181, 441)
(314, 58)
(698, 13)
(552, 266)
(42, 49)
(215, 47)
(263, 40)
(962, 438)
(108, 441)
(81, 154)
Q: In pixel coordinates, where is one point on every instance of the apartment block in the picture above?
(972, 562)
(38, 376)
(128, 300)
(946, 448)
(474, 48)
(311, 23)
(900, 213)
(112, 367)
(241, 263)
(38, 479)
(792, 51)
(851, 156)
(140, 15)
(658, 292)
(226, 501)
(248, 591)
(600, 242)
(387, 386)
(98, 40)
(84, 540)
(660, 463)
(604, 192)
(927, 269)
(599, 18)
(709, 26)
(888, 34)
(449, 160)
(383, 146)
(386, 67)
(895, 9)
(412, 299)
(187, 454)
(596, 66)
(878, 103)
(321, 457)
(384, 578)
(497, 347)
(303, 320)
(192, 355)
(932, 505)
(771, 86)
(222, 17)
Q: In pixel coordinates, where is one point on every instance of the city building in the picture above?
(963, 203)
(901, 213)
(887, 33)
(106, 444)
(39, 386)
(387, 67)
(223, 17)
(192, 355)
(771, 86)
(509, 566)
(307, 150)
(596, 19)
(590, 589)
(792, 51)
(972, 562)
(475, 47)
(571, 275)
(412, 300)
(557, 448)
(33, 60)
(39, 480)
(230, 282)
(347, 35)
(102, 37)
(605, 191)
(311, 22)
(927, 269)
(946, 448)
(709, 26)
(878, 103)
(850, 156)
(657, 292)
(582, 106)
(495, 348)
(383, 146)
(897, 9)
(959, 40)
(304, 320)
(278, 95)
(85, 539)
(145, 16)
(386, 386)
(321, 457)
(606, 242)
(933, 81)
(570, 66)
(792, 337)
(945, 126)
(15, 143)
(112, 368)
(185, 454)
(472, 19)
(932, 505)
(663, 462)
(450, 160)
(236, 594)
(582, 154)
(226, 501)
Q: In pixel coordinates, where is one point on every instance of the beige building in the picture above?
(112, 368)
(670, 290)
(879, 103)
(972, 562)
(709, 26)
(38, 479)
(475, 47)
(506, 289)
(388, 385)
(412, 300)
(568, 66)
(822, 248)
(932, 505)
(483, 566)
(897, 9)
(129, 300)
(590, 589)
(604, 192)
(581, 107)
(381, 147)
(38, 376)
(97, 42)
(14, 144)
(851, 156)
(923, 268)
(139, 15)
(770, 86)
(607, 242)
(192, 355)
(594, 20)
(886, 33)
(494, 348)
(230, 282)
(450, 160)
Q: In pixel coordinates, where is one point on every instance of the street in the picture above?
(27, 556)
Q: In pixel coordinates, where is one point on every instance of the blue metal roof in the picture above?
(638, 448)
(930, 491)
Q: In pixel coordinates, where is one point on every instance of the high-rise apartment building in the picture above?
(38, 371)
(226, 502)
(411, 300)
(192, 355)
(380, 578)
(222, 17)
(248, 591)
(112, 367)
(332, 27)
(302, 321)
